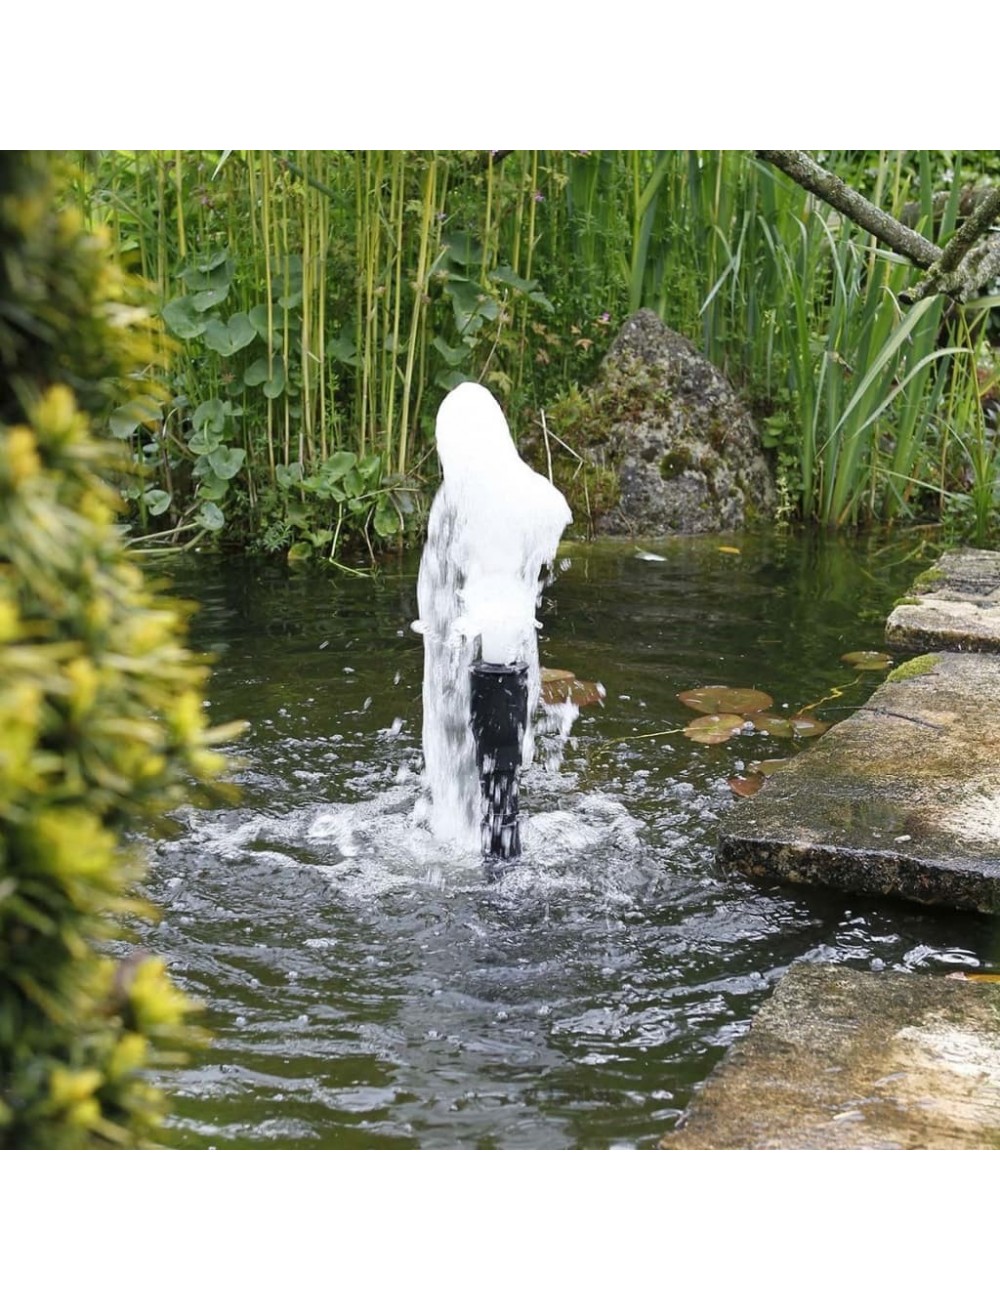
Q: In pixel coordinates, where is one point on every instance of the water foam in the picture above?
(494, 527)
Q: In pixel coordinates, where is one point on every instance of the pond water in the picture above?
(366, 987)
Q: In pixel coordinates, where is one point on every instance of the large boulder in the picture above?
(687, 456)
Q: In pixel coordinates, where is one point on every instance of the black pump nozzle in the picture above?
(499, 711)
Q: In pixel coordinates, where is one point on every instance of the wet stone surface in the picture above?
(901, 799)
(840, 1058)
(953, 606)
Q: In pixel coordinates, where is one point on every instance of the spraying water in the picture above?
(494, 526)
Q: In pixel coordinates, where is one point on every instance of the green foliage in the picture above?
(331, 298)
(100, 714)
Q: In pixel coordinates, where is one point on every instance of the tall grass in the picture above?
(321, 303)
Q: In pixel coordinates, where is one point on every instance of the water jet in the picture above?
(494, 528)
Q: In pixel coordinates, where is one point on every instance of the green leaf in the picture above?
(726, 699)
(210, 298)
(227, 461)
(338, 465)
(211, 487)
(215, 272)
(126, 419)
(204, 442)
(229, 338)
(453, 356)
(287, 476)
(181, 318)
(506, 275)
(464, 250)
(370, 468)
(210, 516)
(275, 386)
(211, 260)
(386, 519)
(258, 319)
(211, 415)
(342, 348)
(241, 329)
(714, 728)
(256, 373)
(157, 501)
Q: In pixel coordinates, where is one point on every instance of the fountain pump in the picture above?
(499, 715)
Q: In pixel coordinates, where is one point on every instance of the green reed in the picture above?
(320, 303)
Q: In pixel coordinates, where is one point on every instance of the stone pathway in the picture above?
(840, 1058)
(902, 799)
(954, 606)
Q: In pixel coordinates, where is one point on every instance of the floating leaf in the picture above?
(725, 699)
(730, 550)
(715, 728)
(651, 556)
(784, 726)
(768, 766)
(804, 726)
(745, 786)
(559, 686)
(873, 661)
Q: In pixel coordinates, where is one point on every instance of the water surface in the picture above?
(368, 988)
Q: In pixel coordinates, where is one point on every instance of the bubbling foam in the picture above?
(494, 527)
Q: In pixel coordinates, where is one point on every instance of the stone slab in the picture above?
(900, 799)
(953, 606)
(841, 1059)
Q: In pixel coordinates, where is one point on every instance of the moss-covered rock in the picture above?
(669, 426)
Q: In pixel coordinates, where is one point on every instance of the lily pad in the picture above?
(783, 726)
(725, 699)
(768, 766)
(746, 786)
(560, 686)
(714, 728)
(869, 661)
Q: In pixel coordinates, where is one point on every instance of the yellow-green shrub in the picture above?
(101, 721)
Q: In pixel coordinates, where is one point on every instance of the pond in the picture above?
(367, 987)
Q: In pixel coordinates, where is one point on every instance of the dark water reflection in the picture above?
(367, 988)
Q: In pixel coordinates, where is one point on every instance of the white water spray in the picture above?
(494, 525)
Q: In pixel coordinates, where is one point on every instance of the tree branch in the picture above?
(959, 270)
(825, 185)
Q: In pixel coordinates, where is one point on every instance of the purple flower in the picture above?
(539, 196)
